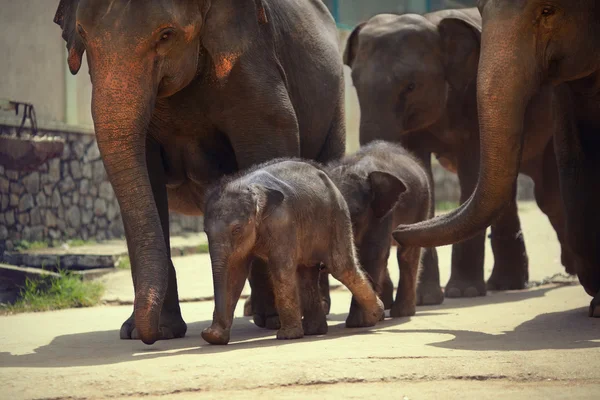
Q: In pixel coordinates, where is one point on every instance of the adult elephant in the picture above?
(187, 91)
(416, 81)
(528, 46)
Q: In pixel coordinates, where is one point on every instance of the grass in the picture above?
(446, 205)
(55, 293)
(79, 242)
(24, 245)
(124, 263)
(202, 248)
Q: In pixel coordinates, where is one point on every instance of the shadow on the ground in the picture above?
(565, 330)
(104, 347)
(571, 329)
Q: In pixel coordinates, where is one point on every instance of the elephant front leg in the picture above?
(406, 297)
(262, 297)
(466, 276)
(287, 299)
(171, 323)
(511, 264)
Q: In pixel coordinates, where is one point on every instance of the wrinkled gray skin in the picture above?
(384, 186)
(186, 91)
(528, 46)
(291, 215)
(416, 81)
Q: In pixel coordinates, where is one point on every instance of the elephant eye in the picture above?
(236, 230)
(410, 87)
(80, 30)
(166, 35)
(547, 11)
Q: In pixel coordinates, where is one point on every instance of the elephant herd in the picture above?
(234, 109)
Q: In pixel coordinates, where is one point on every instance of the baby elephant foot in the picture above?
(269, 322)
(314, 326)
(288, 333)
(594, 311)
(171, 326)
(429, 294)
(215, 334)
(403, 309)
(359, 317)
(465, 288)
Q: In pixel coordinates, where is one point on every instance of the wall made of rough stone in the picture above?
(66, 198)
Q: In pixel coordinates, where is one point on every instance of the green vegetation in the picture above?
(80, 242)
(124, 263)
(446, 205)
(55, 293)
(23, 245)
(202, 248)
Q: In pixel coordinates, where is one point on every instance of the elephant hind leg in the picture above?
(314, 321)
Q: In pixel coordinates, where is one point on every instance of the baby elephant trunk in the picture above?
(228, 282)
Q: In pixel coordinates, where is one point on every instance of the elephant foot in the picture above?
(171, 326)
(594, 311)
(288, 333)
(248, 307)
(360, 318)
(465, 288)
(314, 326)
(270, 322)
(507, 281)
(264, 314)
(215, 334)
(429, 294)
(403, 309)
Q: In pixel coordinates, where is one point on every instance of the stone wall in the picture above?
(66, 198)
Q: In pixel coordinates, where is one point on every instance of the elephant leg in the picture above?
(373, 254)
(406, 297)
(466, 276)
(547, 196)
(262, 296)
(429, 291)
(287, 299)
(578, 160)
(171, 323)
(511, 265)
(314, 321)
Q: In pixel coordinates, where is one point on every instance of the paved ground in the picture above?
(534, 344)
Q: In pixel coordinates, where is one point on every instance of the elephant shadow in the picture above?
(105, 348)
(564, 330)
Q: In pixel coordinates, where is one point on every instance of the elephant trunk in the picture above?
(507, 79)
(122, 102)
(229, 276)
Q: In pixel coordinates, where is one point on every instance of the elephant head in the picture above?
(406, 67)
(525, 45)
(233, 217)
(139, 52)
(370, 195)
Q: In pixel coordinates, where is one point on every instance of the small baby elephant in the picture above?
(291, 215)
(384, 186)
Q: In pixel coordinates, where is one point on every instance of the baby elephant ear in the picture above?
(267, 201)
(385, 191)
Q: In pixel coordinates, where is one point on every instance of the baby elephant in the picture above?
(384, 186)
(291, 215)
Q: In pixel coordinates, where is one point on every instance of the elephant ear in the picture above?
(385, 191)
(267, 200)
(230, 28)
(460, 32)
(352, 45)
(66, 17)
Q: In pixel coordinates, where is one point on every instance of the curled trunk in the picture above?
(507, 79)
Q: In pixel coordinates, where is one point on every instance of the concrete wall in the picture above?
(33, 63)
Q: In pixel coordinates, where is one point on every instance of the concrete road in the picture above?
(536, 344)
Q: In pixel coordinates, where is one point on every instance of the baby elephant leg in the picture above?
(314, 321)
(287, 301)
(349, 273)
(406, 296)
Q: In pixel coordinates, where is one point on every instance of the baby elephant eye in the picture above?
(236, 230)
(166, 35)
(410, 87)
